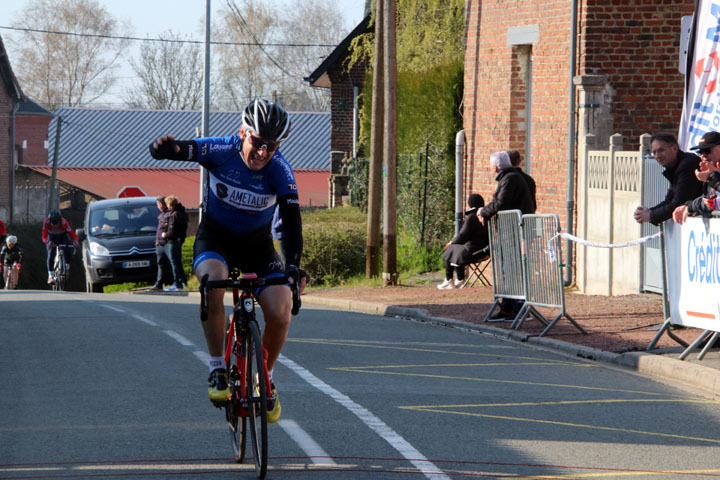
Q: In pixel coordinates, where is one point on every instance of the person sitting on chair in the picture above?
(464, 248)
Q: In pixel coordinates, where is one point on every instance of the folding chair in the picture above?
(476, 269)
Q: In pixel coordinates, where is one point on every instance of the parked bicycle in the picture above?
(246, 360)
(61, 268)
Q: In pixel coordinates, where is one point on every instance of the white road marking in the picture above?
(116, 309)
(178, 338)
(145, 320)
(311, 448)
(416, 458)
(204, 357)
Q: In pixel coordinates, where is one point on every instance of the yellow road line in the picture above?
(495, 380)
(432, 350)
(564, 424)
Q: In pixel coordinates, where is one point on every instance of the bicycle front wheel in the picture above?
(236, 417)
(257, 398)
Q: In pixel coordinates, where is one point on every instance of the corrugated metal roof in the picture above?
(120, 138)
(184, 183)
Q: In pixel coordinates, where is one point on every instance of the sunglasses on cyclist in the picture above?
(704, 151)
(258, 143)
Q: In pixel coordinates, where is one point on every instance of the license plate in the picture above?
(137, 264)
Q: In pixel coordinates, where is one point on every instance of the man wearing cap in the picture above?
(679, 170)
(709, 173)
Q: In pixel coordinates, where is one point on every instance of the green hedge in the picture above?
(334, 245)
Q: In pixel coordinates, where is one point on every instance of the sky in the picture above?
(149, 18)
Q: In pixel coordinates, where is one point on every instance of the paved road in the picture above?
(112, 386)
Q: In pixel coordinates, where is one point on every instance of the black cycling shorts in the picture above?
(250, 253)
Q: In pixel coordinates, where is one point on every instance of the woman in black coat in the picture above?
(472, 237)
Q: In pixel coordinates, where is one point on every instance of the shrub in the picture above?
(333, 252)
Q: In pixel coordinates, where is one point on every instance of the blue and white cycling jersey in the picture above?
(240, 199)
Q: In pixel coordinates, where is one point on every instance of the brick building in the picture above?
(345, 85)
(625, 80)
(10, 97)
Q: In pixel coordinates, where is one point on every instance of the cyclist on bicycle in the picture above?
(247, 177)
(57, 231)
(11, 259)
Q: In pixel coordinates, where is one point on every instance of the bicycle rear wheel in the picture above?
(257, 395)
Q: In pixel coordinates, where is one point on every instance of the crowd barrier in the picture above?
(692, 259)
(524, 269)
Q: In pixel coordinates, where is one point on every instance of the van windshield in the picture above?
(123, 220)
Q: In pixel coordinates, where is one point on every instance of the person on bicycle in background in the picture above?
(57, 231)
(11, 259)
(247, 177)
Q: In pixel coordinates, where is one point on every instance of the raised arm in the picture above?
(168, 148)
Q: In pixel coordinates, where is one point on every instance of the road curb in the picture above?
(690, 374)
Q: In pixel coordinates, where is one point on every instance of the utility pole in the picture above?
(390, 276)
(206, 103)
(372, 250)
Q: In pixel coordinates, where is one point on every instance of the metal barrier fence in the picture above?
(505, 252)
(544, 285)
(523, 267)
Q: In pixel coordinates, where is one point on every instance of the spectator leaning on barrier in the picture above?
(516, 160)
(512, 193)
(679, 170)
(709, 173)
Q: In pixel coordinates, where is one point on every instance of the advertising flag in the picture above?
(701, 105)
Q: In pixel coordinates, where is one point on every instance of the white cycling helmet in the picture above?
(11, 240)
(267, 119)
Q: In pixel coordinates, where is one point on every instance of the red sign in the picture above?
(131, 191)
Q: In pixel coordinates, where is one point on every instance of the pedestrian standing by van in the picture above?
(163, 261)
(175, 236)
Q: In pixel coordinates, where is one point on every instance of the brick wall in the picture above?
(33, 129)
(635, 43)
(493, 104)
(341, 111)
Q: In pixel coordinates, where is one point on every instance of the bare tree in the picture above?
(58, 69)
(244, 71)
(272, 62)
(170, 75)
(310, 22)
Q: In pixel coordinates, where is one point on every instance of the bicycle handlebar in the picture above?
(247, 283)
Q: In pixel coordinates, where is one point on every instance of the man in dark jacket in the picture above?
(709, 173)
(679, 170)
(175, 236)
(513, 193)
(516, 160)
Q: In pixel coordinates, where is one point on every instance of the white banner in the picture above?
(701, 105)
(693, 262)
